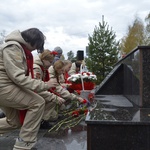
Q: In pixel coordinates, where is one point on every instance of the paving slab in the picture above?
(69, 139)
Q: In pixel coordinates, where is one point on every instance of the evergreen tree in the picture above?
(71, 57)
(103, 50)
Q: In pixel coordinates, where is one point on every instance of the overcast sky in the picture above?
(67, 23)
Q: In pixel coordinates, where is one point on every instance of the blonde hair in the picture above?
(58, 65)
(46, 55)
(66, 62)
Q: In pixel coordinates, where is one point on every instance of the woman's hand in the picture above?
(66, 85)
(52, 83)
(80, 99)
(60, 100)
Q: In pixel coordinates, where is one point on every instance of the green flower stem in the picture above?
(70, 120)
(59, 123)
(75, 123)
(68, 112)
(65, 123)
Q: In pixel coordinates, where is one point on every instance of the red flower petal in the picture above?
(85, 111)
(84, 101)
(75, 113)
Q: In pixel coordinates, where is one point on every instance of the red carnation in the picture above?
(78, 91)
(85, 111)
(75, 113)
(91, 97)
(84, 101)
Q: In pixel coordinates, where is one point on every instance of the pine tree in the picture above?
(103, 50)
(71, 57)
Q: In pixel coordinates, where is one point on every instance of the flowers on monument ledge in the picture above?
(91, 97)
(88, 80)
(76, 113)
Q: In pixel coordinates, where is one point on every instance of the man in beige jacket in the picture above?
(75, 68)
(19, 91)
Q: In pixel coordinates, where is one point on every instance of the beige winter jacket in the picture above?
(38, 73)
(52, 75)
(72, 69)
(59, 89)
(13, 66)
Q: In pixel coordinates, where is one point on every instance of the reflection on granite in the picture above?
(131, 85)
(117, 109)
(125, 115)
(121, 119)
(133, 62)
(114, 100)
(113, 83)
(117, 124)
(130, 77)
(68, 139)
(123, 79)
(73, 140)
(146, 78)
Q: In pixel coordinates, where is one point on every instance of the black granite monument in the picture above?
(121, 119)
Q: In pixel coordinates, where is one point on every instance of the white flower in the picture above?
(86, 76)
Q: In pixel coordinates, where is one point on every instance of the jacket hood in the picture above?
(38, 61)
(58, 50)
(16, 36)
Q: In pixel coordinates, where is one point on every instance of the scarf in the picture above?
(45, 74)
(29, 61)
(46, 78)
(66, 75)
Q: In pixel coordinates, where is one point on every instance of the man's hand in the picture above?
(52, 83)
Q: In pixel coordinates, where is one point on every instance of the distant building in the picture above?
(87, 50)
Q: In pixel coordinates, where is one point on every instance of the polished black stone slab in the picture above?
(121, 118)
(117, 109)
(124, 79)
(145, 85)
(118, 137)
(117, 124)
(113, 83)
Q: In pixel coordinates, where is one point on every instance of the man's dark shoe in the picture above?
(2, 115)
(45, 125)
